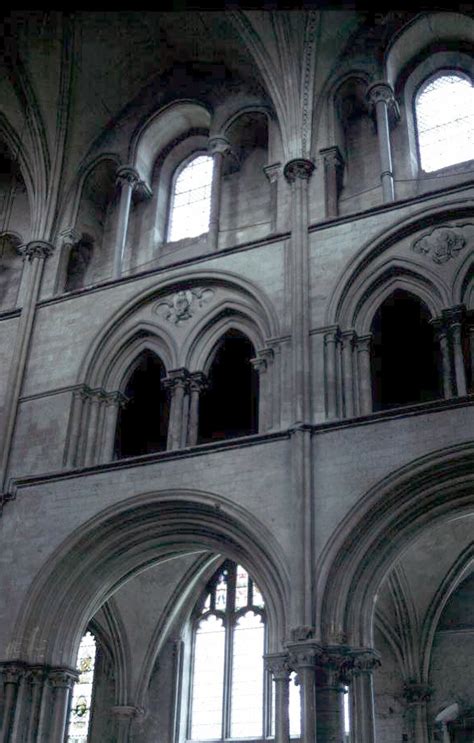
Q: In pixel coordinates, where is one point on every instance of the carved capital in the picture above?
(219, 145)
(62, 678)
(176, 378)
(334, 665)
(381, 91)
(363, 343)
(299, 168)
(36, 249)
(262, 360)
(348, 338)
(365, 660)
(116, 398)
(272, 172)
(70, 236)
(332, 157)
(303, 654)
(129, 175)
(332, 335)
(454, 315)
(278, 665)
(12, 672)
(197, 382)
(415, 693)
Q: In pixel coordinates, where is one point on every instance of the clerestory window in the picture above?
(80, 710)
(191, 199)
(444, 108)
(230, 692)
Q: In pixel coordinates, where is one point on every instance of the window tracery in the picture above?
(444, 108)
(191, 199)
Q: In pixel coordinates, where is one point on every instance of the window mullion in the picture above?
(230, 623)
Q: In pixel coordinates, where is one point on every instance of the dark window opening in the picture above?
(404, 353)
(78, 263)
(142, 426)
(229, 407)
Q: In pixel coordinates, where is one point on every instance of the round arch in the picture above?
(375, 532)
(126, 539)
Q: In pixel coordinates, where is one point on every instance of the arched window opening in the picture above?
(230, 692)
(444, 108)
(191, 199)
(11, 265)
(81, 703)
(404, 353)
(229, 407)
(142, 424)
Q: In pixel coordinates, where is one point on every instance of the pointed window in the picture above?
(191, 199)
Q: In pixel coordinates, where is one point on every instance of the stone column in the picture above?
(362, 693)
(114, 401)
(37, 680)
(333, 172)
(277, 664)
(365, 374)
(331, 340)
(127, 179)
(348, 338)
(330, 689)
(218, 147)
(34, 255)
(303, 660)
(12, 677)
(96, 401)
(177, 384)
(382, 101)
(62, 680)
(297, 172)
(442, 338)
(273, 173)
(261, 363)
(123, 715)
(417, 696)
(454, 320)
(197, 385)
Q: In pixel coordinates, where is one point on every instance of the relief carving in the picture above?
(441, 244)
(182, 305)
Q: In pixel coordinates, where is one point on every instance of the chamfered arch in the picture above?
(459, 570)
(349, 286)
(125, 539)
(438, 486)
(163, 126)
(104, 343)
(395, 274)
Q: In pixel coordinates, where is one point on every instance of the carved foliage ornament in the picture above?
(441, 244)
(182, 305)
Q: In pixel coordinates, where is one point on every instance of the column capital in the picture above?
(298, 169)
(303, 654)
(382, 91)
(454, 315)
(262, 360)
(128, 174)
(348, 337)
(273, 171)
(36, 249)
(70, 236)
(279, 666)
(116, 398)
(416, 693)
(364, 660)
(198, 381)
(334, 665)
(176, 378)
(12, 671)
(364, 341)
(62, 678)
(218, 144)
(332, 156)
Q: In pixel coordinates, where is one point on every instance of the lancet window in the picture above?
(81, 703)
(191, 199)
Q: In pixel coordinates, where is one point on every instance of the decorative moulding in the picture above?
(182, 305)
(442, 243)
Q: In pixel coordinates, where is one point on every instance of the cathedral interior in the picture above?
(237, 376)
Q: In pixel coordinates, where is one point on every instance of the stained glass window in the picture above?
(80, 712)
(191, 199)
(445, 121)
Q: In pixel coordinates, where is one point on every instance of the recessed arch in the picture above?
(378, 529)
(125, 539)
